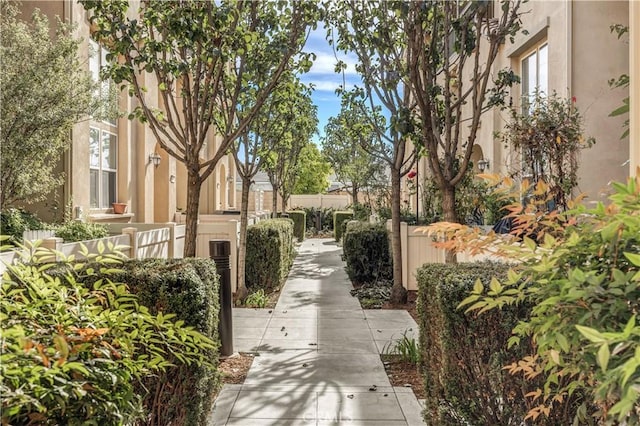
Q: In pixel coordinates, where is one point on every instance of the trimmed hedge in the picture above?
(188, 288)
(339, 219)
(366, 252)
(299, 218)
(269, 253)
(463, 355)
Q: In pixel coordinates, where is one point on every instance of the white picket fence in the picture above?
(133, 241)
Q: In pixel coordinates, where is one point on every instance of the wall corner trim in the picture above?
(536, 33)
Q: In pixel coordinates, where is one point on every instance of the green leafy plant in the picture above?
(299, 218)
(257, 299)
(75, 354)
(406, 347)
(581, 275)
(366, 253)
(548, 136)
(14, 222)
(270, 253)
(339, 222)
(76, 230)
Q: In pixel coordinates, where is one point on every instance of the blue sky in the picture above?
(324, 78)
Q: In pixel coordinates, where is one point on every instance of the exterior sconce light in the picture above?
(483, 164)
(172, 178)
(230, 178)
(154, 159)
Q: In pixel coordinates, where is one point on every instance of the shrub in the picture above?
(313, 214)
(583, 282)
(366, 252)
(299, 218)
(463, 354)
(14, 222)
(340, 217)
(189, 289)
(257, 299)
(75, 230)
(361, 211)
(269, 253)
(74, 354)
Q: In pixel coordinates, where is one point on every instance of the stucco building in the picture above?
(569, 48)
(120, 160)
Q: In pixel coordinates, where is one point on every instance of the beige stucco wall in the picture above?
(152, 193)
(583, 56)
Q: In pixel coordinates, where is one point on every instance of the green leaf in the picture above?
(591, 334)
(478, 287)
(603, 356)
(633, 258)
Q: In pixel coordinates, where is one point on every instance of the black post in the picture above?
(219, 251)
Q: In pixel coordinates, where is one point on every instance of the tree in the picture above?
(372, 31)
(348, 138)
(45, 91)
(207, 58)
(312, 171)
(281, 162)
(450, 55)
(253, 147)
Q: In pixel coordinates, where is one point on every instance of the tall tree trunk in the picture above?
(241, 291)
(193, 205)
(398, 292)
(355, 193)
(274, 206)
(449, 213)
(284, 202)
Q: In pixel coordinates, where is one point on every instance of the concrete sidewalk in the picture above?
(318, 360)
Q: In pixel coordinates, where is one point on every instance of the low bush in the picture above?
(463, 354)
(14, 222)
(318, 219)
(366, 253)
(188, 288)
(76, 354)
(75, 230)
(299, 218)
(270, 253)
(339, 219)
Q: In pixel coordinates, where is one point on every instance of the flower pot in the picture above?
(119, 208)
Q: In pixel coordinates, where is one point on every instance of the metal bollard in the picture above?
(219, 251)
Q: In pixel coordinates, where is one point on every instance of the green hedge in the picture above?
(114, 353)
(269, 253)
(188, 288)
(339, 218)
(463, 355)
(299, 218)
(366, 252)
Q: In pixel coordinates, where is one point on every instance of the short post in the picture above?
(219, 252)
(133, 241)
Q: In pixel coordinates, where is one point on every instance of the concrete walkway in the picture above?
(318, 357)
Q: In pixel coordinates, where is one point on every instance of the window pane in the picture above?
(94, 147)
(108, 150)
(529, 75)
(108, 188)
(543, 69)
(94, 191)
(94, 60)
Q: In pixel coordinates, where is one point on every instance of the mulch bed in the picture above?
(234, 368)
(403, 373)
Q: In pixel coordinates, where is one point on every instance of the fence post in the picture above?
(220, 251)
(133, 241)
(172, 239)
(55, 245)
(404, 243)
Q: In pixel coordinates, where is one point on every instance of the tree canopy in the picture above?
(312, 171)
(45, 91)
(207, 58)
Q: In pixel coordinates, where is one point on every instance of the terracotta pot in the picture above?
(119, 208)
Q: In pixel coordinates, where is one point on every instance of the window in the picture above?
(535, 76)
(103, 140)
(106, 89)
(102, 168)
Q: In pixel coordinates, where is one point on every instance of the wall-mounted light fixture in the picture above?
(483, 164)
(154, 159)
(230, 178)
(172, 178)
